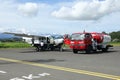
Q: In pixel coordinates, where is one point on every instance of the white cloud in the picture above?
(28, 9)
(86, 10)
(11, 21)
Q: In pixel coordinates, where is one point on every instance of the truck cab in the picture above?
(80, 41)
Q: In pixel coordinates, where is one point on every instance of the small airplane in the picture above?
(43, 41)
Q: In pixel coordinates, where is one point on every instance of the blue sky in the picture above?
(59, 16)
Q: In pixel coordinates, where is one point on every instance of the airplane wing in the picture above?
(56, 39)
(24, 35)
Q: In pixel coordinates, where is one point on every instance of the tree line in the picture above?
(14, 39)
(115, 36)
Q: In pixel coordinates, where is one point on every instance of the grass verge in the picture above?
(115, 43)
(14, 45)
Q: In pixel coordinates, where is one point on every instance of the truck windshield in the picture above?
(77, 37)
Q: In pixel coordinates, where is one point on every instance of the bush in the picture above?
(115, 35)
(115, 43)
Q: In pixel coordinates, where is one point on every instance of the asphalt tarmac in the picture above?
(26, 64)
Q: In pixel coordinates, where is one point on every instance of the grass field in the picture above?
(14, 45)
(115, 43)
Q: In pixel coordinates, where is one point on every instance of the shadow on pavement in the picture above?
(44, 60)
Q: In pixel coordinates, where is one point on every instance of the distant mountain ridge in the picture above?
(6, 36)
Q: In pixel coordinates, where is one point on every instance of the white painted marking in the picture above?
(44, 74)
(31, 77)
(3, 72)
(17, 79)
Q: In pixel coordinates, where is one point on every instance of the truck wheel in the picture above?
(75, 51)
(104, 49)
(89, 49)
(52, 47)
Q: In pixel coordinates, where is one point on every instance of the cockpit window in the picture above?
(57, 36)
(77, 37)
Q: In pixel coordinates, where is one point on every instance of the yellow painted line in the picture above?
(102, 75)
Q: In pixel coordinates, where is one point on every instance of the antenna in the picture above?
(84, 31)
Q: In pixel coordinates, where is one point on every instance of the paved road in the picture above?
(26, 64)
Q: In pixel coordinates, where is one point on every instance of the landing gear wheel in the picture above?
(61, 49)
(37, 49)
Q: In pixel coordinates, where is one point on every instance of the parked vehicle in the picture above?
(49, 42)
(42, 41)
(89, 42)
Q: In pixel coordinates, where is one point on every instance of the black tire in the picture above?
(89, 49)
(75, 51)
(61, 49)
(37, 48)
(104, 49)
(52, 47)
(42, 48)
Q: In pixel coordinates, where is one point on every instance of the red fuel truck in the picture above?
(89, 42)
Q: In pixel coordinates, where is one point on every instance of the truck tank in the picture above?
(101, 38)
